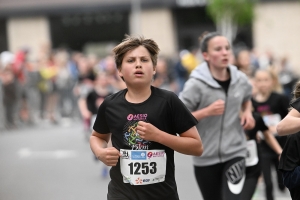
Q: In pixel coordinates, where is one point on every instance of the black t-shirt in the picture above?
(275, 104)
(92, 101)
(164, 110)
(224, 84)
(290, 157)
(255, 170)
(296, 104)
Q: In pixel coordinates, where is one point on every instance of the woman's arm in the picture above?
(247, 120)
(290, 124)
(189, 142)
(216, 108)
(272, 142)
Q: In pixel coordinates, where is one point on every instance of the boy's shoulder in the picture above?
(116, 96)
(162, 93)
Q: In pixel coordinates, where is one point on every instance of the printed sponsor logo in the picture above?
(149, 155)
(130, 135)
(146, 180)
(137, 117)
(155, 154)
(138, 181)
(138, 155)
(124, 154)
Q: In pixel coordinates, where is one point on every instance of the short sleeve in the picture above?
(182, 119)
(100, 124)
(285, 106)
(296, 104)
(261, 124)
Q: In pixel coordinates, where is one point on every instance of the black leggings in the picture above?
(266, 162)
(222, 181)
(249, 187)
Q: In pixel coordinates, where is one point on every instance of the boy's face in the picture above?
(137, 67)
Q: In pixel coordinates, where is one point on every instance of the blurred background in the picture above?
(56, 68)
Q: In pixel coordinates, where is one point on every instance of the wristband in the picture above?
(296, 104)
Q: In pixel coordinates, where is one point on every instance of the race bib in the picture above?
(272, 120)
(93, 119)
(252, 157)
(143, 167)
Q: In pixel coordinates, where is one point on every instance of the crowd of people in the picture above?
(57, 85)
(224, 99)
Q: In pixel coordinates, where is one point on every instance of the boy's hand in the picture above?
(147, 131)
(109, 156)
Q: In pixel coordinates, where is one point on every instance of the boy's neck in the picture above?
(138, 95)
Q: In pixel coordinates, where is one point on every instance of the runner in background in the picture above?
(215, 94)
(143, 122)
(289, 162)
(272, 107)
(94, 100)
(290, 124)
(84, 85)
(253, 159)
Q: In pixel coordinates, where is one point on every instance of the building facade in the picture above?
(174, 24)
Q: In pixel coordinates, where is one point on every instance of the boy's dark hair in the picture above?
(205, 38)
(130, 43)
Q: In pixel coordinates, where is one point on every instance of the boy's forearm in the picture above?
(184, 145)
(97, 144)
(200, 114)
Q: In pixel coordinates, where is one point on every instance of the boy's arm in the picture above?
(291, 179)
(189, 141)
(290, 124)
(108, 155)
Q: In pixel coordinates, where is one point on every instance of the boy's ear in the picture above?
(154, 70)
(120, 73)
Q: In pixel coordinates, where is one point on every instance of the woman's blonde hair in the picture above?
(130, 43)
(273, 75)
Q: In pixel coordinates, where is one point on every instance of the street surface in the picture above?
(54, 162)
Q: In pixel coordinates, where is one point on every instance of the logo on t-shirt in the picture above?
(137, 117)
(130, 135)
